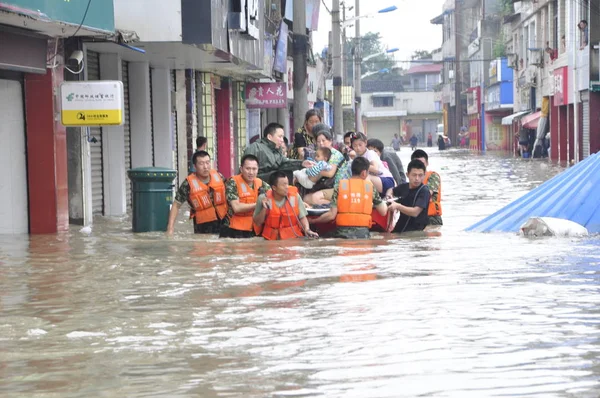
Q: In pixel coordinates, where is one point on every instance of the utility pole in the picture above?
(458, 71)
(338, 116)
(300, 60)
(358, 72)
(344, 54)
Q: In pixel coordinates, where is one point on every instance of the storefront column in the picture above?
(562, 133)
(162, 118)
(553, 131)
(571, 129)
(46, 155)
(113, 147)
(594, 122)
(224, 130)
(140, 114)
(182, 165)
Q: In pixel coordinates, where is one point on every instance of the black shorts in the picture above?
(227, 232)
(213, 227)
(387, 183)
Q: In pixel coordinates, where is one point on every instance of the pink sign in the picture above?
(266, 95)
(561, 86)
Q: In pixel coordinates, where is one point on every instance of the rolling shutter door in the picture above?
(93, 73)
(127, 132)
(174, 123)
(586, 126)
(152, 119)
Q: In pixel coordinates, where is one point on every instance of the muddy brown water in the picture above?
(440, 314)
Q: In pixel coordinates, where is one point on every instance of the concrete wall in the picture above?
(152, 20)
(412, 102)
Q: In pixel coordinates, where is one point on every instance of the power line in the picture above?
(87, 8)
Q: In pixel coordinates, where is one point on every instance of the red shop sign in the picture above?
(561, 86)
(266, 95)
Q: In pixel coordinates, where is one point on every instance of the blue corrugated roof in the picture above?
(572, 195)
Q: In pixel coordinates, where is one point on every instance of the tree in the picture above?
(370, 45)
(421, 54)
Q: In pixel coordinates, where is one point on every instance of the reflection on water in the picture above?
(439, 313)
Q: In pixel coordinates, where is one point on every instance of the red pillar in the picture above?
(594, 122)
(563, 132)
(553, 131)
(46, 155)
(225, 141)
(571, 133)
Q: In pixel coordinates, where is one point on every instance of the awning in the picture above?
(508, 120)
(531, 121)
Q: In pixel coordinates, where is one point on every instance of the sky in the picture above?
(408, 28)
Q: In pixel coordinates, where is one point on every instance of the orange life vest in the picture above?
(435, 208)
(354, 203)
(203, 209)
(247, 195)
(282, 223)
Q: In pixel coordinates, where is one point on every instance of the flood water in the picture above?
(439, 314)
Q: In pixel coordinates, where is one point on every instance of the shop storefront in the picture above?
(499, 105)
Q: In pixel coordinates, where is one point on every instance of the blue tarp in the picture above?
(572, 195)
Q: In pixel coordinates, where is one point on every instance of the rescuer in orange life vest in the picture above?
(204, 190)
(353, 202)
(434, 182)
(281, 212)
(242, 191)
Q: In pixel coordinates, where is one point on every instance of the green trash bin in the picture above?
(152, 194)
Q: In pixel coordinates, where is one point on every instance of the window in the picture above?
(438, 106)
(561, 26)
(525, 41)
(383, 102)
(583, 24)
(555, 25)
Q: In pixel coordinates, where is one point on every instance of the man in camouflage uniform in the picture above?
(434, 182)
(240, 208)
(202, 170)
(360, 170)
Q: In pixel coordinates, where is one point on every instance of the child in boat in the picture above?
(307, 177)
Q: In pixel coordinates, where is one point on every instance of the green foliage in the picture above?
(499, 50)
(370, 45)
(507, 7)
(421, 54)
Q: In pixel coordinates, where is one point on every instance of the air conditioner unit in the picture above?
(537, 58)
(512, 61)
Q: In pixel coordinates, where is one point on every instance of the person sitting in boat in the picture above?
(268, 152)
(346, 147)
(380, 176)
(413, 198)
(353, 202)
(322, 191)
(434, 182)
(308, 176)
(394, 164)
(204, 190)
(281, 212)
(242, 192)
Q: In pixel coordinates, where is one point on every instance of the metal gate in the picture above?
(585, 141)
(127, 131)
(93, 73)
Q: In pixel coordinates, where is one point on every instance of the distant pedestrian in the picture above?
(413, 142)
(429, 140)
(441, 143)
(396, 143)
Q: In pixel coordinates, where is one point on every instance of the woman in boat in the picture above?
(322, 192)
(305, 137)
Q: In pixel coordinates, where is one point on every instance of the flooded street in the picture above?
(441, 314)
